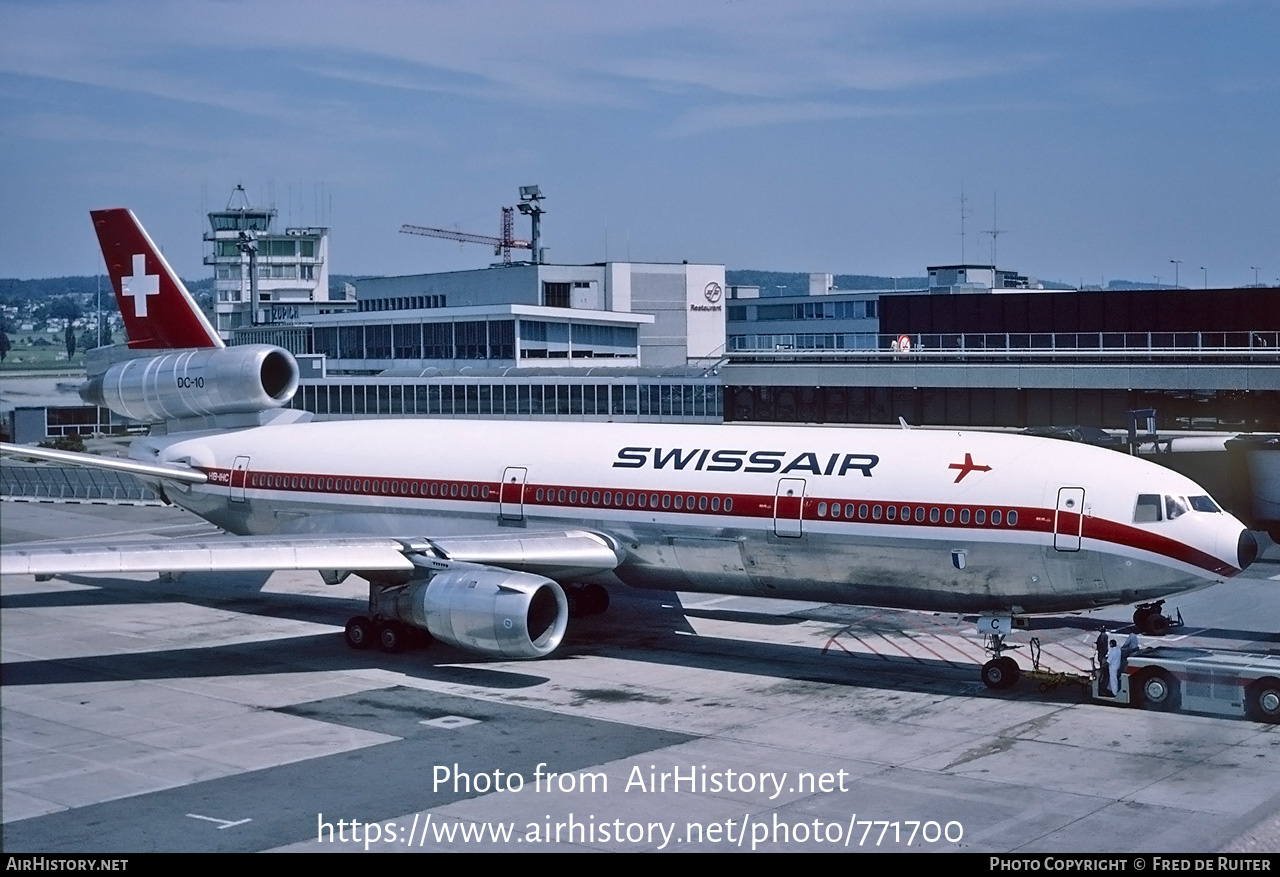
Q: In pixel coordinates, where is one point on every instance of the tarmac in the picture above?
(225, 713)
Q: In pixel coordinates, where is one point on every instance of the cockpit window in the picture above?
(1175, 507)
(1204, 504)
(1148, 508)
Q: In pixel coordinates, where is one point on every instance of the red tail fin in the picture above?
(158, 311)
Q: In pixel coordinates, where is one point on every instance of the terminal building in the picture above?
(1202, 359)
(605, 341)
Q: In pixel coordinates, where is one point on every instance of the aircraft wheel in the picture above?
(1262, 701)
(392, 637)
(359, 633)
(1000, 673)
(1157, 690)
(1155, 625)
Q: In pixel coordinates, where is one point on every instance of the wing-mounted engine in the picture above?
(196, 385)
(496, 612)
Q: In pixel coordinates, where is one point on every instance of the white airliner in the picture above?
(473, 530)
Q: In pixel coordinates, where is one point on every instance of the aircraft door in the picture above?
(239, 478)
(511, 494)
(788, 507)
(1068, 519)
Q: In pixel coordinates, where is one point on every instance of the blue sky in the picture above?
(799, 136)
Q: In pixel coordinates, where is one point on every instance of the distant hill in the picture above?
(773, 283)
(22, 292)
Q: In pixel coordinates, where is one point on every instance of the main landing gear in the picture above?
(382, 627)
(391, 636)
(1150, 619)
(1001, 671)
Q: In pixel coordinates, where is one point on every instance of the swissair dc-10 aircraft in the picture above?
(473, 531)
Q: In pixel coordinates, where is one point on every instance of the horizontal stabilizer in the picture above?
(114, 464)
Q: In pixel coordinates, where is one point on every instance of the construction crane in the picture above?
(501, 245)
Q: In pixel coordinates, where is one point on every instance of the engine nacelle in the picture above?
(492, 611)
(193, 383)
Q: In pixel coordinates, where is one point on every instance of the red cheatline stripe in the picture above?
(1030, 519)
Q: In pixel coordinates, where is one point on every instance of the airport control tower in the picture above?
(260, 275)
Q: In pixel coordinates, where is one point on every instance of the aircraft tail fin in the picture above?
(159, 313)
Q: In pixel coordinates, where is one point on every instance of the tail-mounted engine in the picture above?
(492, 611)
(196, 383)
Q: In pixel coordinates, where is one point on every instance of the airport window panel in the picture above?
(502, 339)
(326, 341)
(351, 342)
(437, 340)
(575, 398)
(486, 400)
(377, 342)
(562, 399)
(630, 396)
(407, 340)
(471, 339)
(523, 405)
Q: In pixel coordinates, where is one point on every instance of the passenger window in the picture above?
(728, 503)
(979, 517)
(950, 516)
(933, 516)
(890, 513)
(715, 503)
(875, 513)
(1013, 518)
(822, 509)
(995, 516)
(1147, 510)
(964, 516)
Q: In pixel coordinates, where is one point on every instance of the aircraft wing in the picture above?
(555, 554)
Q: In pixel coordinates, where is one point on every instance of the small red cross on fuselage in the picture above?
(966, 467)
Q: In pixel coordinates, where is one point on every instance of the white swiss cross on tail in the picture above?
(140, 285)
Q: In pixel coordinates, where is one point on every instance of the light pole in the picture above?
(1255, 274)
(1206, 276)
(1176, 264)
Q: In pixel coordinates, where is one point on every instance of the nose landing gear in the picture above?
(1150, 619)
(1001, 671)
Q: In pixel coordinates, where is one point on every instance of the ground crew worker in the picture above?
(1113, 664)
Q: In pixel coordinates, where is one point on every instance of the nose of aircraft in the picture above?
(1246, 549)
